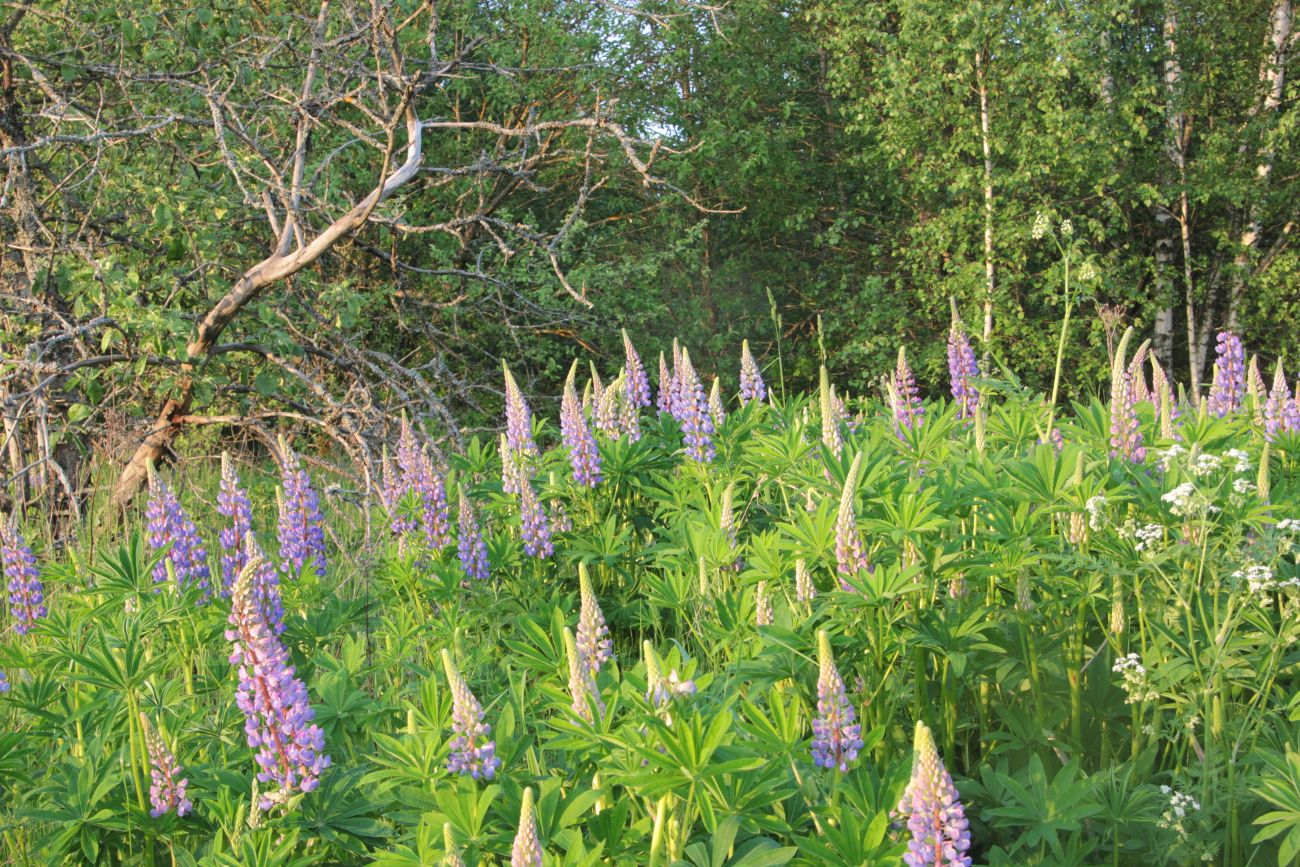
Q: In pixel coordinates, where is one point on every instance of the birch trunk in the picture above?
(1179, 132)
(987, 145)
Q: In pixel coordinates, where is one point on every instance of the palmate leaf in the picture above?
(1280, 786)
(723, 851)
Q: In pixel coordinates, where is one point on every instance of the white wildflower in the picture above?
(1170, 455)
(1242, 460)
(1067, 228)
(1042, 225)
(1257, 578)
(1205, 464)
(1096, 507)
(1135, 681)
(1148, 536)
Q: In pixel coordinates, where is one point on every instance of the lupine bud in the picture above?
(594, 644)
(751, 379)
(584, 456)
(451, 856)
(1256, 389)
(762, 605)
(693, 413)
(637, 385)
(963, 368)
(717, 412)
(804, 590)
(470, 546)
(836, 737)
(1137, 379)
(535, 530)
(527, 849)
(905, 397)
(169, 525)
(167, 793)
(607, 409)
(831, 436)
(583, 691)
(26, 593)
(232, 503)
(850, 553)
(665, 399)
(938, 825)
(629, 415)
(514, 467)
(1163, 397)
(471, 750)
(727, 514)
(287, 745)
(1229, 375)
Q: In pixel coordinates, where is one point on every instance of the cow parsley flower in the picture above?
(1135, 681)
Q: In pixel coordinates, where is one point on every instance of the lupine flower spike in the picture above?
(1281, 414)
(519, 446)
(527, 849)
(233, 504)
(717, 411)
(420, 477)
(4, 682)
(302, 526)
(535, 529)
(762, 605)
(583, 691)
(850, 553)
(266, 584)
(472, 750)
(836, 737)
(1255, 389)
(804, 591)
(287, 745)
(963, 368)
(26, 593)
(168, 524)
(470, 546)
(1229, 375)
(594, 644)
(693, 413)
(676, 394)
(665, 400)
(608, 407)
(752, 386)
(629, 414)
(167, 793)
(637, 385)
(451, 856)
(584, 456)
(935, 818)
(1163, 398)
(831, 436)
(1125, 429)
(905, 397)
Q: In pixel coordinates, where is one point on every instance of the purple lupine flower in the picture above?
(167, 792)
(629, 418)
(935, 818)
(675, 401)
(472, 750)
(664, 402)
(804, 589)
(850, 553)
(1125, 428)
(288, 746)
(717, 412)
(519, 447)
(594, 644)
(905, 397)
(535, 529)
(4, 682)
(963, 368)
(168, 524)
(232, 503)
(470, 546)
(584, 456)
(527, 849)
(693, 413)
(265, 584)
(301, 526)
(637, 386)
(762, 605)
(836, 737)
(1281, 414)
(751, 379)
(583, 691)
(1229, 375)
(559, 516)
(392, 492)
(26, 593)
(419, 476)
(831, 436)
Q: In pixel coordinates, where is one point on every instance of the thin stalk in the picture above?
(1060, 347)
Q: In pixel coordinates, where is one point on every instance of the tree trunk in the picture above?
(1179, 133)
(1272, 78)
(986, 144)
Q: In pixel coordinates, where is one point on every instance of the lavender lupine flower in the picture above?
(963, 368)
(302, 526)
(519, 447)
(167, 793)
(637, 385)
(233, 504)
(629, 417)
(936, 820)
(850, 553)
(594, 644)
(583, 691)
(717, 411)
(392, 493)
(831, 436)
(1125, 429)
(4, 682)
(559, 515)
(288, 746)
(836, 737)
(26, 593)
(1229, 375)
(265, 584)
(472, 750)
(535, 529)
(804, 589)
(693, 413)
(470, 546)
(515, 471)
(169, 524)
(762, 605)
(527, 849)
(451, 854)
(584, 456)
(664, 403)
(1281, 414)
(420, 477)
(1256, 389)
(752, 386)
(676, 400)
(905, 397)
